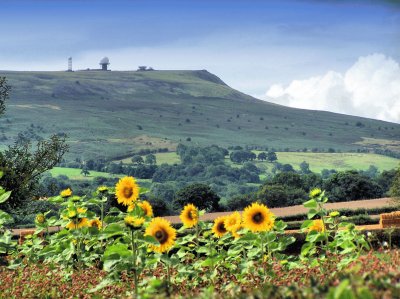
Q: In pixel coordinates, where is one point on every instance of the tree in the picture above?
(386, 178)
(280, 195)
(271, 156)
(85, 171)
(151, 159)
(137, 160)
(241, 156)
(198, 194)
(23, 167)
(351, 185)
(262, 156)
(395, 188)
(305, 167)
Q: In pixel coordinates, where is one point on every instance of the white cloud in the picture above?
(369, 88)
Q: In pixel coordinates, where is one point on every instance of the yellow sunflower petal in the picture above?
(78, 223)
(134, 222)
(189, 215)
(127, 191)
(258, 218)
(163, 232)
(233, 222)
(317, 225)
(95, 223)
(66, 193)
(219, 227)
(146, 207)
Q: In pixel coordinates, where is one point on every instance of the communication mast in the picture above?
(70, 64)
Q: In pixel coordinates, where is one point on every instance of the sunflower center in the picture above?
(161, 236)
(128, 192)
(258, 218)
(221, 228)
(192, 215)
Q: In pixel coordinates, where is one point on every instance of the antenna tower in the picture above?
(70, 64)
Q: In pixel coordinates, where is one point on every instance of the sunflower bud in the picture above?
(334, 214)
(134, 222)
(102, 189)
(315, 192)
(66, 193)
(40, 218)
(72, 214)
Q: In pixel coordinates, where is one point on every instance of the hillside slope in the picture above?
(107, 114)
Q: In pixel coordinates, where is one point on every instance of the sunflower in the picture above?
(134, 222)
(235, 234)
(219, 228)
(74, 224)
(95, 223)
(315, 192)
(72, 214)
(40, 218)
(81, 210)
(102, 189)
(233, 222)
(163, 232)
(189, 215)
(66, 193)
(334, 214)
(317, 225)
(127, 191)
(258, 218)
(146, 207)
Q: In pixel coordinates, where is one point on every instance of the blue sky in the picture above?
(251, 45)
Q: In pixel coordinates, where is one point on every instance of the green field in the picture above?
(75, 173)
(115, 114)
(338, 161)
(161, 158)
(317, 161)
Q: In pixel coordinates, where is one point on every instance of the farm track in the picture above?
(279, 212)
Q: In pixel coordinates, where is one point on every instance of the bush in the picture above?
(25, 216)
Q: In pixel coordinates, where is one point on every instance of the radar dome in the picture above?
(105, 60)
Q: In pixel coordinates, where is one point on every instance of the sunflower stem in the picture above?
(262, 257)
(134, 263)
(197, 239)
(212, 260)
(168, 279)
(102, 213)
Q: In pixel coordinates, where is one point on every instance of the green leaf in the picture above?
(143, 190)
(112, 230)
(149, 239)
(311, 213)
(104, 283)
(5, 196)
(117, 249)
(311, 204)
(306, 224)
(56, 199)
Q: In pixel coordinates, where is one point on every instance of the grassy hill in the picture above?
(111, 114)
